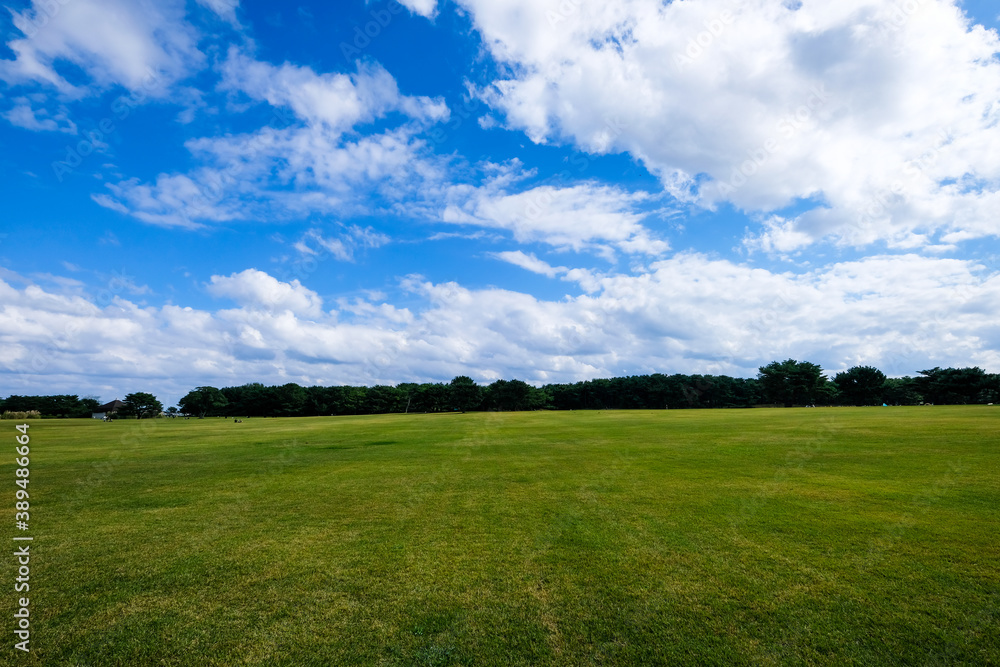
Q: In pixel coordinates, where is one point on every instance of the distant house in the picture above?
(107, 410)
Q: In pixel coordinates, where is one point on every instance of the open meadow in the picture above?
(866, 536)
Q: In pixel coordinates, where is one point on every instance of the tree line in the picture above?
(780, 383)
(61, 405)
(137, 405)
(785, 383)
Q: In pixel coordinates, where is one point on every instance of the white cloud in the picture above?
(425, 8)
(22, 114)
(886, 113)
(305, 164)
(276, 174)
(141, 45)
(334, 101)
(578, 217)
(779, 236)
(586, 279)
(225, 9)
(174, 200)
(342, 247)
(529, 262)
(255, 289)
(686, 314)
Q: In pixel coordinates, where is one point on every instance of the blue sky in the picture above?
(217, 192)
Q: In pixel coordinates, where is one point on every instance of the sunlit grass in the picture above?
(865, 536)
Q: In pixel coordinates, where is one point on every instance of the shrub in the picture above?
(30, 414)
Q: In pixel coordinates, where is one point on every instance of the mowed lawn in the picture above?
(801, 536)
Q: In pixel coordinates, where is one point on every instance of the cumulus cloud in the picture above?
(425, 8)
(586, 216)
(255, 289)
(689, 313)
(336, 101)
(141, 45)
(860, 122)
(883, 115)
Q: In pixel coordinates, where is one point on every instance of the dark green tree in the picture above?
(861, 385)
(426, 397)
(141, 405)
(344, 400)
(252, 399)
(465, 394)
(88, 406)
(288, 400)
(512, 395)
(383, 399)
(792, 382)
(317, 401)
(991, 389)
(203, 401)
(901, 391)
(952, 386)
(59, 405)
(565, 396)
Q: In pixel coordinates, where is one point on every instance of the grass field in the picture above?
(826, 536)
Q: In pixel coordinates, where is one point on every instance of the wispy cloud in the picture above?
(342, 246)
(299, 164)
(22, 114)
(114, 42)
(529, 262)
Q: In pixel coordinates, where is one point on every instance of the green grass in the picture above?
(766, 537)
